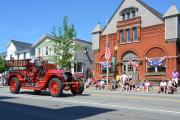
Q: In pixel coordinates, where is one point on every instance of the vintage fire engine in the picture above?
(38, 76)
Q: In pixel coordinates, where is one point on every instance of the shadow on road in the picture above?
(46, 93)
(9, 111)
(5, 97)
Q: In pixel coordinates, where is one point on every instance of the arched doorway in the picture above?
(129, 62)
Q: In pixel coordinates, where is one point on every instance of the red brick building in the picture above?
(148, 42)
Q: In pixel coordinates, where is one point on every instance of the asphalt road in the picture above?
(92, 105)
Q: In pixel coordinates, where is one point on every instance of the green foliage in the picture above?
(2, 65)
(64, 47)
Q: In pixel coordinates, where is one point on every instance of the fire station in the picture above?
(145, 42)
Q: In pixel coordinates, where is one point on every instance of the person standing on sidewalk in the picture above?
(147, 86)
(175, 76)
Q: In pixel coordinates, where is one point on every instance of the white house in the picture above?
(18, 50)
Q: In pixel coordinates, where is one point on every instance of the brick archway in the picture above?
(155, 52)
(128, 51)
(155, 46)
(128, 65)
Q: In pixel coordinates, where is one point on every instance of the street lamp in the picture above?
(115, 64)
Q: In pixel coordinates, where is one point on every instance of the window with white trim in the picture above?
(122, 40)
(135, 34)
(128, 37)
(39, 52)
(47, 50)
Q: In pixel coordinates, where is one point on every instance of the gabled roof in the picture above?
(156, 13)
(172, 11)
(85, 41)
(3, 54)
(44, 37)
(21, 45)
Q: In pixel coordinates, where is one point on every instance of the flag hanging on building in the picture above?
(108, 52)
(156, 61)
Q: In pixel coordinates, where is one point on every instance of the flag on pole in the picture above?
(108, 52)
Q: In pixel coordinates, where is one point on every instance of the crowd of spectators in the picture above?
(126, 83)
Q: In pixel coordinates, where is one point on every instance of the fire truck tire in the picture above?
(80, 90)
(55, 87)
(14, 85)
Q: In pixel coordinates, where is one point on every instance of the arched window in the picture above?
(155, 55)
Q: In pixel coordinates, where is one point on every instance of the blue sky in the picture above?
(28, 20)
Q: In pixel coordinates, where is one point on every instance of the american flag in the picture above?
(108, 52)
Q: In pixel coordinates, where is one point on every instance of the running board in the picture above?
(31, 88)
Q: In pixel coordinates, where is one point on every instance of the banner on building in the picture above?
(105, 65)
(155, 62)
(133, 63)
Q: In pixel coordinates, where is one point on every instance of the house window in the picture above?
(78, 67)
(128, 35)
(46, 50)
(24, 55)
(133, 14)
(18, 56)
(39, 52)
(123, 16)
(135, 34)
(122, 36)
(11, 57)
(128, 15)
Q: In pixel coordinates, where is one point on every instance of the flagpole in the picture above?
(107, 70)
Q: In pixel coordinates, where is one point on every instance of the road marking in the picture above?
(95, 103)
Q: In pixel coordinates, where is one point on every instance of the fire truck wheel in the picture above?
(14, 85)
(55, 87)
(79, 87)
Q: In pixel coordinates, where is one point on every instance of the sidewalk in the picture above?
(153, 92)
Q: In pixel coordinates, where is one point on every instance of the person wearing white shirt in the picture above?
(163, 86)
(124, 81)
(147, 86)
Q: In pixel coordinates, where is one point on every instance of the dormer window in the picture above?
(133, 14)
(123, 16)
(128, 13)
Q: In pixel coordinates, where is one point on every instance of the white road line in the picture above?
(93, 103)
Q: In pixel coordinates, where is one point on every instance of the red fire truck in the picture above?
(38, 76)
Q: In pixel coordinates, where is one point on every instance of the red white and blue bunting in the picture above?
(156, 62)
(104, 65)
(133, 63)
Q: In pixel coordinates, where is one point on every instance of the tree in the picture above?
(64, 46)
(2, 65)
